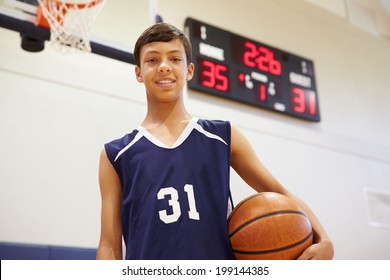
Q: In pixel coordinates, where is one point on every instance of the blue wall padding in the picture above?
(17, 251)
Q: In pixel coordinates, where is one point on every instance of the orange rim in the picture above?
(42, 21)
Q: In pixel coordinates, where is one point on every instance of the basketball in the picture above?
(269, 226)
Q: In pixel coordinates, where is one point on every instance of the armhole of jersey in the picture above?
(230, 205)
(108, 153)
(123, 249)
(111, 159)
(229, 141)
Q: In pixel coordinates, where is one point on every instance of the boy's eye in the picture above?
(177, 59)
(151, 60)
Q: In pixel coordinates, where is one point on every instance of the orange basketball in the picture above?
(269, 226)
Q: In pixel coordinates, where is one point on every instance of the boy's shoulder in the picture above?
(120, 142)
(213, 123)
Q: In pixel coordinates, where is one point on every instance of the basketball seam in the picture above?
(264, 216)
(273, 250)
(241, 203)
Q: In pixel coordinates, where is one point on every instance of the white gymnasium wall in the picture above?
(57, 111)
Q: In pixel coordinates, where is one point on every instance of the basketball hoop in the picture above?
(69, 21)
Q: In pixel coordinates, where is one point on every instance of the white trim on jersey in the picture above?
(199, 128)
(183, 136)
(193, 124)
(135, 140)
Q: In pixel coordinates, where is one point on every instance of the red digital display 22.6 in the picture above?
(234, 67)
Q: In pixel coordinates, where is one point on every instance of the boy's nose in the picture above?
(164, 67)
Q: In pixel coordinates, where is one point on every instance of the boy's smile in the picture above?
(166, 82)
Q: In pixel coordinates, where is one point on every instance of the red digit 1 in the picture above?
(249, 56)
(262, 93)
(220, 77)
(312, 103)
(299, 100)
(208, 73)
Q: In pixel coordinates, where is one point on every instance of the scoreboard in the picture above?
(241, 69)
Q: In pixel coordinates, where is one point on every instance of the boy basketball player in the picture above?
(165, 185)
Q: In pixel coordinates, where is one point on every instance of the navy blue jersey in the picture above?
(175, 200)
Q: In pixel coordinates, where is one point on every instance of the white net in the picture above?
(71, 22)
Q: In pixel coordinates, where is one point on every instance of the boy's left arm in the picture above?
(244, 161)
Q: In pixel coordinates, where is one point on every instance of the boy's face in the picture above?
(163, 69)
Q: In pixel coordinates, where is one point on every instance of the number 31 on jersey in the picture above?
(173, 201)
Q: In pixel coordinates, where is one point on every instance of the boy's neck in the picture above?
(167, 114)
(166, 125)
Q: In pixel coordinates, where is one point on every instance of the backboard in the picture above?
(21, 16)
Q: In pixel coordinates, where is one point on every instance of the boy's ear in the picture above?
(138, 74)
(190, 71)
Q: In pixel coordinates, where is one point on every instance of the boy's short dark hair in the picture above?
(162, 32)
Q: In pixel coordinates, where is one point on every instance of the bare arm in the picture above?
(110, 245)
(245, 162)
